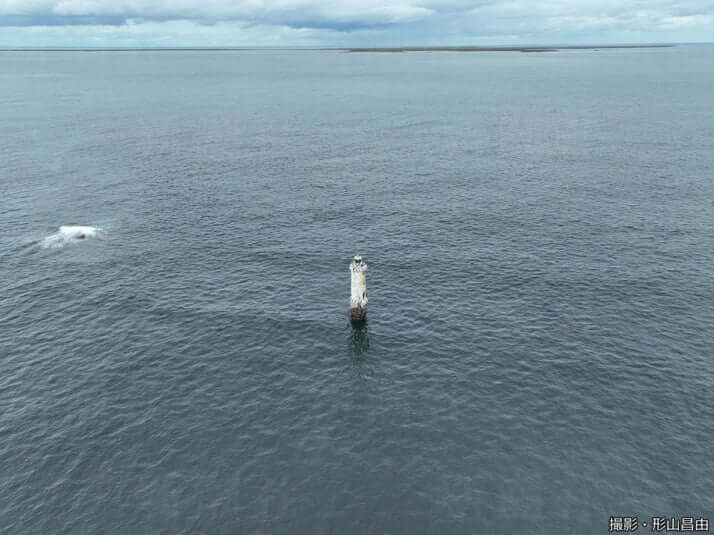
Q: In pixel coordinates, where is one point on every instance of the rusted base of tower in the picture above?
(358, 313)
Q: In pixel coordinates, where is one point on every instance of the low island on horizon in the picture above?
(499, 48)
(542, 48)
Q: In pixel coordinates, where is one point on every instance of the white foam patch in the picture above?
(70, 234)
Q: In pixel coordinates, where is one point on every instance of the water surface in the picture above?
(538, 229)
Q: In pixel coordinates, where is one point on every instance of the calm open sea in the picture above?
(539, 354)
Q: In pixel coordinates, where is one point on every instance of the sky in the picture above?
(342, 23)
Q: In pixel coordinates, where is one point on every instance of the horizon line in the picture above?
(396, 48)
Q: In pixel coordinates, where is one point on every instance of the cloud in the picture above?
(341, 15)
(378, 22)
(686, 21)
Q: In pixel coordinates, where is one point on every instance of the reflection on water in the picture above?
(359, 339)
(357, 347)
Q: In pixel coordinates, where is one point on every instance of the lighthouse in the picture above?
(358, 294)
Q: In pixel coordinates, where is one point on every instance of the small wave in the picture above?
(70, 234)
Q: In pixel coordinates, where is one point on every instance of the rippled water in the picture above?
(538, 229)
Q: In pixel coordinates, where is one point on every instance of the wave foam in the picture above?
(70, 234)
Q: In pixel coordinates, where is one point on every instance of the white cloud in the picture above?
(687, 21)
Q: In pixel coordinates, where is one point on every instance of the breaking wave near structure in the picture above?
(69, 234)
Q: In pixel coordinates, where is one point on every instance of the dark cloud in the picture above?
(338, 16)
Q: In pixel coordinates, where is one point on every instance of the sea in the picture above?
(176, 352)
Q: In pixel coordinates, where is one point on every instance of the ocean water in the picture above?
(539, 349)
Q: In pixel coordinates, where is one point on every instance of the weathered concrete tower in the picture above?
(358, 295)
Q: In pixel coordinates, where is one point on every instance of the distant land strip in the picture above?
(357, 49)
(499, 48)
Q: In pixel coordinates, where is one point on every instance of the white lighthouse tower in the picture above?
(358, 294)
